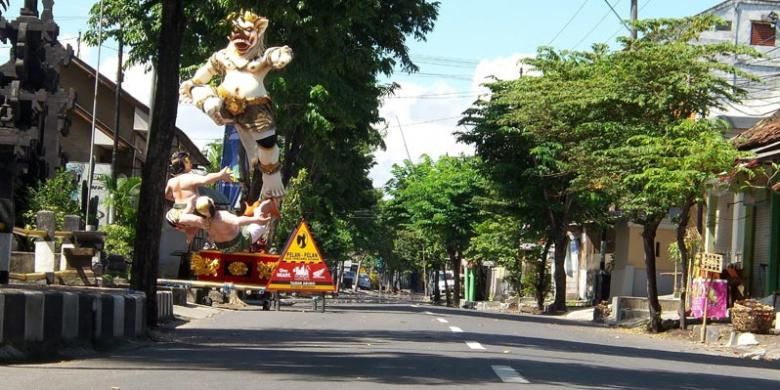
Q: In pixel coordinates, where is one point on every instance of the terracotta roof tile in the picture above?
(765, 132)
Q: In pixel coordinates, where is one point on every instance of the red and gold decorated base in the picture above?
(243, 268)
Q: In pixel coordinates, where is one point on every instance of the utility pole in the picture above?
(117, 100)
(94, 115)
(633, 19)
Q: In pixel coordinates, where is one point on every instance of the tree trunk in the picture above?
(155, 171)
(559, 257)
(648, 238)
(541, 276)
(454, 256)
(356, 278)
(436, 289)
(682, 226)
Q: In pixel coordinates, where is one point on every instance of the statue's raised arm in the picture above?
(241, 97)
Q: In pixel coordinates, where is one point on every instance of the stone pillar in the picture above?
(44, 248)
(72, 224)
(5, 256)
(7, 213)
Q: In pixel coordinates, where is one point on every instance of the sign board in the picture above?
(713, 293)
(710, 262)
(301, 266)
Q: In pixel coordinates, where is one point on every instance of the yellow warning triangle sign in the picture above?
(301, 247)
(301, 267)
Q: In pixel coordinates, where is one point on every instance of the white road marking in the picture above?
(508, 374)
(415, 305)
(456, 329)
(442, 320)
(474, 345)
(428, 313)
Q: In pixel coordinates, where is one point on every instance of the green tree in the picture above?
(326, 102)
(214, 155)
(529, 136)
(653, 156)
(438, 200)
(151, 201)
(499, 239)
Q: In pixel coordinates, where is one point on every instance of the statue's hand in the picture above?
(185, 91)
(212, 107)
(279, 57)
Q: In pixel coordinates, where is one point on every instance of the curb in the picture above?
(36, 319)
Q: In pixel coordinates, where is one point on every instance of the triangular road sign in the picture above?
(301, 267)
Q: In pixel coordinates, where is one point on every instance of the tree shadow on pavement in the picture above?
(404, 368)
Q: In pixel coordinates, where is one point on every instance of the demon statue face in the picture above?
(246, 34)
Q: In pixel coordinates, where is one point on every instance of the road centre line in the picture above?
(474, 345)
(428, 313)
(456, 329)
(442, 320)
(508, 374)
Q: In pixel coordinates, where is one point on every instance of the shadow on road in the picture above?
(390, 357)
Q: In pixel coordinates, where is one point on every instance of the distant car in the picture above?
(442, 290)
(364, 282)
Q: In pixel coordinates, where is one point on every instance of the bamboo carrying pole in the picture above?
(200, 283)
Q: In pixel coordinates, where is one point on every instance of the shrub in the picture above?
(56, 195)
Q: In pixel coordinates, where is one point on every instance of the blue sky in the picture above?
(471, 39)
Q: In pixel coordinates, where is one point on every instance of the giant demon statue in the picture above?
(241, 97)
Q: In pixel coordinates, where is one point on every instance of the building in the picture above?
(133, 124)
(131, 138)
(741, 225)
(749, 22)
(735, 225)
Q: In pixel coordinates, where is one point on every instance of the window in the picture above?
(726, 26)
(762, 34)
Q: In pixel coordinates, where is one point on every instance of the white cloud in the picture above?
(503, 68)
(429, 116)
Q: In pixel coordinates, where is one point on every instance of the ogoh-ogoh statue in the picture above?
(241, 97)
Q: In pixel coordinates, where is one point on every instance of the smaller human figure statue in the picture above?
(241, 97)
(182, 190)
(233, 233)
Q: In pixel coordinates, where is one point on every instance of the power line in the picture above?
(618, 31)
(462, 77)
(617, 15)
(425, 122)
(459, 95)
(464, 61)
(567, 23)
(596, 26)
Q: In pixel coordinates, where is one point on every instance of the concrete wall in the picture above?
(629, 276)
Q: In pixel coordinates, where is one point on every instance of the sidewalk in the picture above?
(721, 341)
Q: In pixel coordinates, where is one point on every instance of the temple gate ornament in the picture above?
(241, 97)
(33, 108)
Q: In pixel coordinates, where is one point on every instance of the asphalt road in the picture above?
(372, 346)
